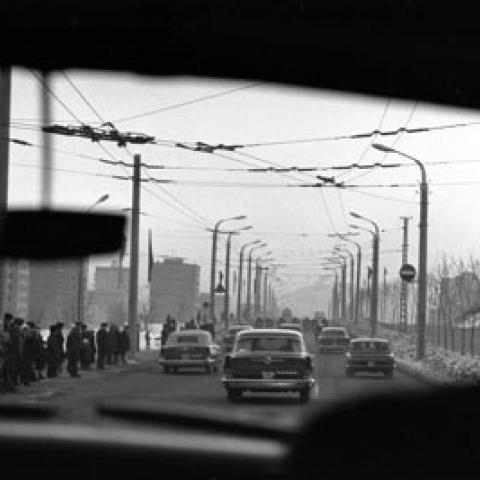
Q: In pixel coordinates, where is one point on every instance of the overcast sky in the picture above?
(294, 221)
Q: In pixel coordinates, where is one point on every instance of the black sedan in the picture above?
(371, 355)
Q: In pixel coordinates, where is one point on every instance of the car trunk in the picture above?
(185, 352)
(333, 341)
(269, 366)
(370, 359)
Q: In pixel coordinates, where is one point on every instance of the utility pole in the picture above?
(374, 304)
(404, 286)
(5, 100)
(227, 279)
(134, 241)
(265, 293)
(384, 303)
(344, 289)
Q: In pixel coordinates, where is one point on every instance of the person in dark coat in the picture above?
(39, 351)
(112, 345)
(54, 354)
(74, 343)
(123, 344)
(27, 372)
(61, 344)
(102, 345)
(7, 384)
(87, 350)
(147, 339)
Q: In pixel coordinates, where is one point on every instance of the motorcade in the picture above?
(190, 349)
(268, 360)
(369, 355)
(333, 340)
(291, 326)
(230, 334)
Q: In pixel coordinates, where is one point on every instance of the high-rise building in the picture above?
(110, 296)
(53, 292)
(17, 275)
(174, 290)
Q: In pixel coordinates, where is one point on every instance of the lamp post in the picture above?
(226, 305)
(249, 279)
(376, 248)
(257, 304)
(334, 294)
(214, 262)
(346, 238)
(352, 282)
(422, 249)
(342, 262)
(240, 277)
(81, 268)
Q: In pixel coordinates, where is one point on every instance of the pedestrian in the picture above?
(61, 344)
(39, 351)
(6, 382)
(16, 338)
(90, 336)
(112, 342)
(27, 372)
(102, 345)
(124, 344)
(54, 354)
(147, 339)
(74, 341)
(84, 349)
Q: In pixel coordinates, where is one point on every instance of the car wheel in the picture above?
(305, 395)
(166, 369)
(349, 372)
(234, 395)
(388, 373)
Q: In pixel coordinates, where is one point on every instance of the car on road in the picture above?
(333, 340)
(230, 334)
(291, 326)
(268, 360)
(190, 349)
(370, 355)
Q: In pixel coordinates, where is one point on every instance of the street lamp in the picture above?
(214, 262)
(81, 267)
(376, 248)
(344, 283)
(258, 282)
(422, 249)
(226, 304)
(334, 292)
(249, 278)
(240, 276)
(352, 282)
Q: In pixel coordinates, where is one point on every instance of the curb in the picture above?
(412, 371)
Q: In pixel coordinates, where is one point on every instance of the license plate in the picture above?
(268, 375)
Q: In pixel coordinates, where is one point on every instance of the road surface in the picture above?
(146, 382)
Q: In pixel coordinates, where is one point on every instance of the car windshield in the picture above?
(333, 333)
(269, 344)
(254, 203)
(370, 347)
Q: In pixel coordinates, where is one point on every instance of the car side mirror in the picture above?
(54, 234)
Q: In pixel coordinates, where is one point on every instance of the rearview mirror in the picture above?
(55, 234)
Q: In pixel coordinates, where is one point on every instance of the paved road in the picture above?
(146, 382)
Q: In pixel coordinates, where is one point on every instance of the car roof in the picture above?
(370, 339)
(202, 333)
(268, 332)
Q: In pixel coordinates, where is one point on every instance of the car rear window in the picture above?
(370, 347)
(188, 339)
(269, 344)
(334, 333)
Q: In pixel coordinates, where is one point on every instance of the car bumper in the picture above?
(201, 362)
(272, 385)
(369, 368)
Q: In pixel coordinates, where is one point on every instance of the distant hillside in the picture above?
(306, 300)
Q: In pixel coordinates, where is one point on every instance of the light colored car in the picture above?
(268, 360)
(190, 348)
(231, 333)
(370, 355)
(333, 340)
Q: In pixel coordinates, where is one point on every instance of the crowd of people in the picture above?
(25, 356)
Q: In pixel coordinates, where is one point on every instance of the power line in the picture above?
(188, 102)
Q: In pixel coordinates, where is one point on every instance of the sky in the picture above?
(294, 221)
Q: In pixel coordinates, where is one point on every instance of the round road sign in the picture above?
(407, 272)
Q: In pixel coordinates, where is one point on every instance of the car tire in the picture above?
(166, 369)
(210, 369)
(349, 372)
(305, 395)
(388, 373)
(234, 395)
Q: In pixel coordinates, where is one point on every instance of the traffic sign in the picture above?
(407, 272)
